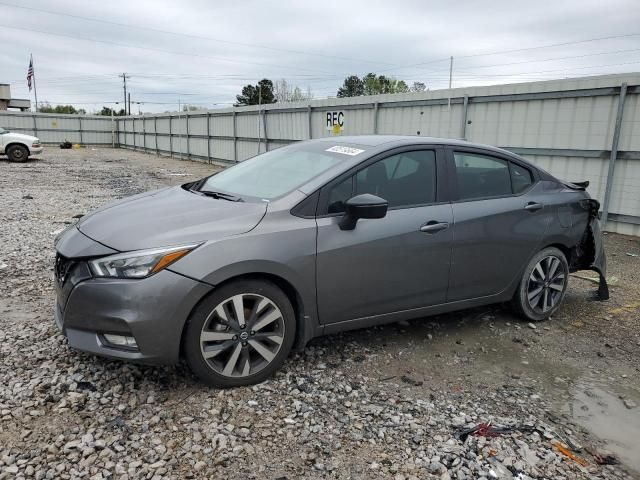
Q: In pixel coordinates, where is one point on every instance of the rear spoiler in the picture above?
(577, 185)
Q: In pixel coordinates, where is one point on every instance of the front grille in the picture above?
(62, 268)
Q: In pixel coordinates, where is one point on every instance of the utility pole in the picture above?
(450, 79)
(129, 96)
(124, 86)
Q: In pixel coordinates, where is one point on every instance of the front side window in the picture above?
(480, 176)
(403, 180)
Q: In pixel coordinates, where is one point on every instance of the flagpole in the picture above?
(35, 90)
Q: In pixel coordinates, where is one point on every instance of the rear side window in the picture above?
(480, 176)
(521, 178)
(403, 180)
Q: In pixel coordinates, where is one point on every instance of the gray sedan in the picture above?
(233, 271)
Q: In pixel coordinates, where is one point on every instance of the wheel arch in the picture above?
(16, 144)
(304, 328)
(567, 251)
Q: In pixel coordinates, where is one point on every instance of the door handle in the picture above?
(533, 206)
(433, 226)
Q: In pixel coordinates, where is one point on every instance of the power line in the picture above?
(126, 45)
(524, 49)
(200, 37)
(554, 58)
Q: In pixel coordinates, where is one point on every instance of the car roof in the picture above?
(374, 144)
(400, 140)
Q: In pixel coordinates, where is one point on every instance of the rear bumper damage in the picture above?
(589, 254)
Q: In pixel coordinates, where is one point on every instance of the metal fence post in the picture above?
(35, 125)
(235, 139)
(614, 154)
(264, 127)
(170, 137)
(463, 120)
(80, 121)
(309, 122)
(155, 135)
(375, 118)
(144, 135)
(186, 116)
(208, 137)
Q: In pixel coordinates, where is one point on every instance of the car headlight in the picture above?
(138, 264)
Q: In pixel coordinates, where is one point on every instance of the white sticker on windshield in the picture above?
(344, 150)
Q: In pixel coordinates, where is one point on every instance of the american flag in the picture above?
(30, 73)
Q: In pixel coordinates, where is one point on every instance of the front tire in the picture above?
(240, 335)
(543, 285)
(17, 153)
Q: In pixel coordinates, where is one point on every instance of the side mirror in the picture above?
(362, 206)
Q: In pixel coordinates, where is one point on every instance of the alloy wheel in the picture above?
(546, 284)
(242, 335)
(18, 154)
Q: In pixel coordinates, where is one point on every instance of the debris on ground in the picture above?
(567, 453)
(486, 429)
(411, 381)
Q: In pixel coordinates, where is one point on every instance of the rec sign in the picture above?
(335, 121)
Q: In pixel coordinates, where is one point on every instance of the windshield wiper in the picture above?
(219, 195)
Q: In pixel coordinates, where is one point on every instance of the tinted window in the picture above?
(404, 179)
(521, 178)
(481, 176)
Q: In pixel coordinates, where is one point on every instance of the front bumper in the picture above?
(152, 310)
(36, 150)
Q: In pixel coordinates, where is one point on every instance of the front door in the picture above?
(399, 262)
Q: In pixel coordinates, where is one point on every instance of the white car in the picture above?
(17, 146)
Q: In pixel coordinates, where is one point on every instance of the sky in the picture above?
(201, 52)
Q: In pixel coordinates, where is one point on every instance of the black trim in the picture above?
(308, 207)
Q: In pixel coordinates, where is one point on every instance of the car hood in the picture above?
(21, 137)
(166, 217)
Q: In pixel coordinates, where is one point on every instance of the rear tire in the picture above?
(543, 285)
(17, 153)
(240, 335)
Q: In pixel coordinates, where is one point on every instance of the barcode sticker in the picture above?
(344, 150)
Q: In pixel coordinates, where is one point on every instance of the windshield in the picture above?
(2, 130)
(274, 173)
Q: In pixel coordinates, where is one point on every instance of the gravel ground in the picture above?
(385, 402)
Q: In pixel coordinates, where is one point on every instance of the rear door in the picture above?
(390, 264)
(499, 220)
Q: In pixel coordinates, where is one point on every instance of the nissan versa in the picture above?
(233, 271)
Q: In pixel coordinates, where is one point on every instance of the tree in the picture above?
(45, 107)
(255, 94)
(107, 112)
(353, 86)
(190, 108)
(418, 87)
(371, 84)
(377, 85)
(284, 92)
